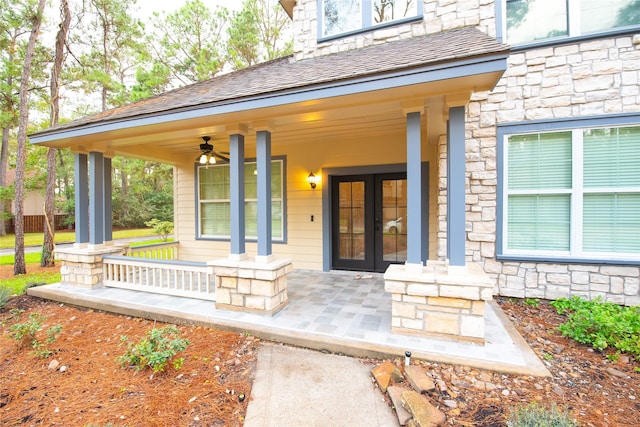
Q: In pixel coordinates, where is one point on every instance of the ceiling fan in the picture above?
(208, 155)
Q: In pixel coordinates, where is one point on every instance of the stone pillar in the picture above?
(255, 287)
(443, 301)
(82, 267)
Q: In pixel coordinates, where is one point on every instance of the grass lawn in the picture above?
(39, 276)
(36, 239)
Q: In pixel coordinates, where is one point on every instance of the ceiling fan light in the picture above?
(212, 160)
(203, 159)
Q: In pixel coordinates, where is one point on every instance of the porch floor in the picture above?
(340, 312)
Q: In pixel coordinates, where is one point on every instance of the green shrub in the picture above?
(155, 350)
(161, 228)
(26, 335)
(534, 415)
(601, 324)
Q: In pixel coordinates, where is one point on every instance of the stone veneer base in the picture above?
(250, 286)
(82, 267)
(439, 300)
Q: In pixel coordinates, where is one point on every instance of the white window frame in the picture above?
(576, 193)
(281, 199)
(573, 26)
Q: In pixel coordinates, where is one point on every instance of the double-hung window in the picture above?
(214, 201)
(572, 194)
(340, 17)
(536, 20)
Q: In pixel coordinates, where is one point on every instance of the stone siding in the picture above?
(439, 15)
(588, 78)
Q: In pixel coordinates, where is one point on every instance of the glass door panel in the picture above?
(394, 218)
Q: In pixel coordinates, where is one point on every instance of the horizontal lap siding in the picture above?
(304, 237)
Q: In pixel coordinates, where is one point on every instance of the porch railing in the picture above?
(163, 251)
(160, 276)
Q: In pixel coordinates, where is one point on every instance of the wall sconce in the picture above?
(312, 180)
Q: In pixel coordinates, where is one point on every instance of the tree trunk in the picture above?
(20, 266)
(4, 160)
(48, 247)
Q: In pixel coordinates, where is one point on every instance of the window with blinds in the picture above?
(215, 205)
(573, 193)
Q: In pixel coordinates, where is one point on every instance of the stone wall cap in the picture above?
(89, 251)
(472, 275)
(250, 264)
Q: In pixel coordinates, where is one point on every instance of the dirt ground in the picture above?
(89, 388)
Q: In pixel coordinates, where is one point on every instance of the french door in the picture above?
(369, 221)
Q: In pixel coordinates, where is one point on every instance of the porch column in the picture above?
(263, 154)
(108, 202)
(81, 184)
(415, 247)
(96, 199)
(236, 154)
(456, 235)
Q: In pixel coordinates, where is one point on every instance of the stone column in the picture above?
(442, 300)
(255, 287)
(82, 267)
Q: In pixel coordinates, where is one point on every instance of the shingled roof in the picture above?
(286, 74)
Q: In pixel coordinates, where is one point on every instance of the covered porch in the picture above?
(393, 113)
(342, 312)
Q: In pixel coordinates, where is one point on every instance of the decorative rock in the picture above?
(63, 368)
(53, 365)
(395, 393)
(418, 379)
(386, 373)
(424, 413)
(616, 373)
(450, 403)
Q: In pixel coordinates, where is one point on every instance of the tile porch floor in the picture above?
(343, 312)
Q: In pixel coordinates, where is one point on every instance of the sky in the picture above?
(148, 6)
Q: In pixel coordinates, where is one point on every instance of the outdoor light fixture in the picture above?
(311, 179)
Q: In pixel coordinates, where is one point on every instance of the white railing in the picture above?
(169, 277)
(164, 251)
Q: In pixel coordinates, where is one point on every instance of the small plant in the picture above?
(4, 297)
(601, 324)
(532, 302)
(155, 350)
(161, 228)
(534, 415)
(26, 335)
(547, 356)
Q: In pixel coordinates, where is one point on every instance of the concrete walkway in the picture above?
(298, 387)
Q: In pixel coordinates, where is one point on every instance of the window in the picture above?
(214, 202)
(532, 20)
(573, 194)
(340, 17)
